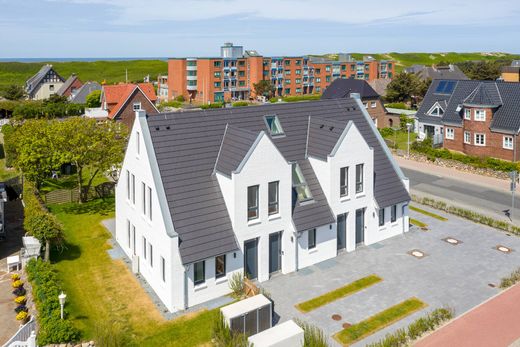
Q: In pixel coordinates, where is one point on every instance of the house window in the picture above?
(381, 216)
(143, 186)
(508, 142)
(163, 269)
(287, 81)
(241, 63)
(298, 72)
(150, 203)
(311, 235)
(303, 192)
(287, 90)
(128, 232)
(217, 84)
(343, 181)
(133, 189)
(252, 202)
(138, 142)
(287, 72)
(317, 71)
(467, 137)
(393, 213)
(480, 139)
(359, 178)
(220, 266)
(199, 270)
(151, 255)
(241, 83)
(273, 197)
(327, 78)
(217, 63)
(51, 87)
(373, 104)
(450, 133)
(318, 89)
(287, 62)
(467, 114)
(365, 104)
(318, 79)
(327, 68)
(241, 73)
(137, 106)
(128, 185)
(480, 115)
(216, 74)
(144, 247)
(436, 110)
(274, 125)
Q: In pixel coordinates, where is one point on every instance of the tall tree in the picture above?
(264, 88)
(482, 70)
(14, 92)
(45, 227)
(93, 99)
(404, 87)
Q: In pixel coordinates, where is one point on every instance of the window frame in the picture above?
(150, 203)
(467, 114)
(276, 202)
(128, 186)
(381, 216)
(143, 201)
(302, 183)
(393, 214)
(311, 238)
(360, 178)
(138, 143)
(343, 183)
(254, 207)
(221, 274)
(150, 246)
(450, 133)
(203, 279)
(467, 137)
(511, 138)
(480, 115)
(144, 247)
(373, 104)
(138, 104)
(476, 142)
(133, 189)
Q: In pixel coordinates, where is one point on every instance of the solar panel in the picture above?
(449, 87)
(440, 87)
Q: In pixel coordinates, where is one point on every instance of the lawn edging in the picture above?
(427, 213)
(380, 320)
(418, 223)
(338, 293)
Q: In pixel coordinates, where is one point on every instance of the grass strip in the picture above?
(427, 213)
(338, 293)
(378, 321)
(418, 223)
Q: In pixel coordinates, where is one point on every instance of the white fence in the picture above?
(25, 336)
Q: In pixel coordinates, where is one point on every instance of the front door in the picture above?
(251, 258)
(275, 252)
(429, 130)
(342, 231)
(360, 226)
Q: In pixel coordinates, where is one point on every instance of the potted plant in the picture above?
(19, 291)
(21, 308)
(17, 284)
(15, 277)
(21, 300)
(23, 317)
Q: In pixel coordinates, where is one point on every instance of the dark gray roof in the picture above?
(342, 87)
(32, 83)
(80, 97)
(503, 96)
(449, 72)
(323, 135)
(67, 84)
(187, 150)
(236, 143)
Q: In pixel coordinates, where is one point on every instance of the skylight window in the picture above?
(445, 87)
(300, 185)
(274, 126)
(436, 110)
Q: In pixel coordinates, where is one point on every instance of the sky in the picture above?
(173, 28)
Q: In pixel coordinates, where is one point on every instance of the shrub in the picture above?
(236, 284)
(386, 132)
(222, 336)
(111, 334)
(22, 315)
(398, 105)
(20, 299)
(174, 104)
(213, 105)
(15, 277)
(240, 104)
(513, 278)
(180, 98)
(17, 284)
(312, 335)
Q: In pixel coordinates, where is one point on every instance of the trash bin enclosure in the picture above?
(249, 316)
(287, 334)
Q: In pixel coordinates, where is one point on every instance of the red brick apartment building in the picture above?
(232, 75)
(480, 118)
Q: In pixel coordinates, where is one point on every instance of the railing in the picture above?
(25, 336)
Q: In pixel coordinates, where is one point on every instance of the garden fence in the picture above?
(25, 336)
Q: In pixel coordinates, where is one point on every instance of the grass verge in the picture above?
(378, 321)
(510, 280)
(338, 293)
(427, 213)
(418, 223)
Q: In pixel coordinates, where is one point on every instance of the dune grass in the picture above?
(427, 213)
(338, 293)
(418, 223)
(378, 321)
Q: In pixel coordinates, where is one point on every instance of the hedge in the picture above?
(214, 105)
(296, 98)
(240, 104)
(174, 104)
(46, 288)
(398, 105)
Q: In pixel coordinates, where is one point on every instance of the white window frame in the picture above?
(393, 213)
(150, 203)
(476, 143)
(163, 269)
(138, 108)
(360, 179)
(480, 116)
(381, 217)
(373, 104)
(143, 193)
(467, 113)
(467, 137)
(343, 186)
(509, 140)
(138, 142)
(434, 107)
(450, 133)
(311, 236)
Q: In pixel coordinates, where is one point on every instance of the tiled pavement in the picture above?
(453, 275)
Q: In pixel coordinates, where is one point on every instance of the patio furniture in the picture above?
(13, 261)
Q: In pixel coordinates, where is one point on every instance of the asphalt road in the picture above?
(464, 194)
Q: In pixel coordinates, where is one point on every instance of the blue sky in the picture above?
(165, 28)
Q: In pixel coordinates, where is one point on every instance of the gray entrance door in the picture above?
(360, 226)
(251, 258)
(275, 252)
(342, 231)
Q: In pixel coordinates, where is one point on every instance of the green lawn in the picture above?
(378, 321)
(338, 293)
(70, 182)
(418, 223)
(427, 213)
(401, 138)
(100, 289)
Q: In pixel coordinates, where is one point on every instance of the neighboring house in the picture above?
(162, 88)
(380, 85)
(448, 72)
(43, 84)
(70, 87)
(260, 190)
(511, 73)
(344, 88)
(80, 96)
(473, 117)
(120, 101)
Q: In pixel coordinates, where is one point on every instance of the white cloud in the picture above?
(440, 12)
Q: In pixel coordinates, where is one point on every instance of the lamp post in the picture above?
(408, 127)
(62, 298)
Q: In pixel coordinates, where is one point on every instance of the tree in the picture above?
(45, 227)
(14, 92)
(264, 88)
(403, 88)
(93, 99)
(482, 70)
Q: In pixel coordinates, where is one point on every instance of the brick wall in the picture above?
(127, 114)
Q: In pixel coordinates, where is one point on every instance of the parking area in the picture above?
(459, 275)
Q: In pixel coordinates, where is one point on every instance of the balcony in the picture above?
(191, 87)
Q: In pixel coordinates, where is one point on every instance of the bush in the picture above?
(240, 104)
(213, 105)
(222, 336)
(398, 105)
(312, 335)
(296, 98)
(165, 104)
(510, 280)
(236, 284)
(180, 98)
(386, 132)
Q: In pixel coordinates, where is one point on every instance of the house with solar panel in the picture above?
(478, 118)
(258, 191)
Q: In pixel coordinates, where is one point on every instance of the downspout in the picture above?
(186, 269)
(402, 215)
(296, 244)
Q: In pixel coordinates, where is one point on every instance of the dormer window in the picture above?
(467, 113)
(436, 110)
(274, 126)
(300, 185)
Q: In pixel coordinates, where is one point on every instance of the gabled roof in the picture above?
(66, 85)
(32, 83)
(235, 145)
(342, 87)
(187, 146)
(448, 72)
(323, 135)
(485, 95)
(81, 95)
(117, 95)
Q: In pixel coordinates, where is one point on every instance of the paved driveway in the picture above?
(457, 276)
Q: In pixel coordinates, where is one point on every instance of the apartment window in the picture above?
(144, 247)
(298, 62)
(311, 235)
(343, 67)
(241, 63)
(287, 81)
(317, 71)
(352, 67)
(373, 104)
(241, 83)
(287, 62)
(381, 216)
(467, 114)
(287, 72)
(217, 84)
(220, 266)
(133, 189)
(298, 72)
(216, 74)
(467, 137)
(359, 178)
(143, 191)
(480, 115)
(191, 63)
(151, 255)
(217, 63)
(241, 73)
(298, 80)
(252, 202)
(480, 139)
(137, 106)
(508, 142)
(138, 142)
(199, 270)
(318, 89)
(128, 185)
(192, 83)
(327, 78)
(287, 90)
(128, 232)
(393, 213)
(318, 79)
(450, 133)
(273, 198)
(150, 203)
(163, 269)
(327, 68)
(298, 90)
(343, 181)
(191, 73)
(300, 185)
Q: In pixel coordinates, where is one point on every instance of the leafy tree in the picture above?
(45, 227)
(28, 110)
(264, 88)
(55, 99)
(93, 99)
(482, 70)
(14, 92)
(403, 88)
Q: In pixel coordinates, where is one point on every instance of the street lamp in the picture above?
(408, 128)
(62, 298)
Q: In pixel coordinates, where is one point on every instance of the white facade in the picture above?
(263, 164)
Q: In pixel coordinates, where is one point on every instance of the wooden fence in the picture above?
(62, 196)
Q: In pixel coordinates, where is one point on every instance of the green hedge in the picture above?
(164, 104)
(510, 280)
(296, 98)
(46, 288)
(398, 105)
(213, 105)
(240, 104)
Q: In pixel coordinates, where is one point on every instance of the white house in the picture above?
(259, 190)
(44, 83)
